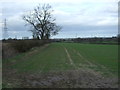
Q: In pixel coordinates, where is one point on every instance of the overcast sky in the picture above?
(78, 18)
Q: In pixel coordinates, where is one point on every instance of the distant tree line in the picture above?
(96, 40)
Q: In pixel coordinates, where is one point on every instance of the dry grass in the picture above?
(12, 47)
(8, 50)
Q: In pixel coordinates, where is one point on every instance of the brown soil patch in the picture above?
(82, 78)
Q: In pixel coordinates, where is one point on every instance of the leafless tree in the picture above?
(42, 21)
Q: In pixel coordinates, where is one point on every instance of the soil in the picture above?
(82, 78)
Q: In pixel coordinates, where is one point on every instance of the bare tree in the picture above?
(42, 21)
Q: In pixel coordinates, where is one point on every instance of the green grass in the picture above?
(51, 58)
(106, 55)
(54, 58)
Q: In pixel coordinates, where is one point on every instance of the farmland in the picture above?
(66, 59)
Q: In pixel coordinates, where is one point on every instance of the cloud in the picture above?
(108, 21)
(20, 34)
(60, 1)
(74, 15)
(88, 13)
(70, 31)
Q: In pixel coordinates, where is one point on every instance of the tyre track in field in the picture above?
(84, 69)
(70, 59)
(76, 74)
(93, 64)
(68, 55)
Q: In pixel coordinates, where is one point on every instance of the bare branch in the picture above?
(42, 21)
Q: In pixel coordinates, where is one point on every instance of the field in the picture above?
(55, 60)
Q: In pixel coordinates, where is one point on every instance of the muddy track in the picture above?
(82, 78)
(76, 76)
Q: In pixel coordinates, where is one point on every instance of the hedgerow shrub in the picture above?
(12, 47)
(25, 45)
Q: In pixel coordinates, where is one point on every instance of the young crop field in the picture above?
(72, 62)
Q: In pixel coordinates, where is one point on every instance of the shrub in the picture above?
(25, 45)
(12, 47)
(8, 51)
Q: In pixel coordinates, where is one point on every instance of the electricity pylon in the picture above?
(5, 30)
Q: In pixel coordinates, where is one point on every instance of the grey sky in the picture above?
(83, 18)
